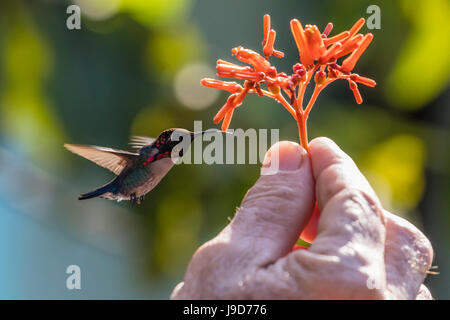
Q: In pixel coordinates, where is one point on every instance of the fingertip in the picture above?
(324, 152)
(291, 154)
(334, 170)
(283, 156)
(321, 140)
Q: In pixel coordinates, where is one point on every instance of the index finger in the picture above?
(336, 175)
(334, 171)
(346, 259)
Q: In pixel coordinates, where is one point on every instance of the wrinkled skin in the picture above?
(360, 251)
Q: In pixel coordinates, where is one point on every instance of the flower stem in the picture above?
(303, 132)
(279, 97)
(313, 99)
(301, 124)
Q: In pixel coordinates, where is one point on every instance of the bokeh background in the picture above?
(134, 68)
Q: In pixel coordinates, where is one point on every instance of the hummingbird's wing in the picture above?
(114, 160)
(139, 142)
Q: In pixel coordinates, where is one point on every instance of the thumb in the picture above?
(279, 205)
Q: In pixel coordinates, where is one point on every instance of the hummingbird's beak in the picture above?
(201, 133)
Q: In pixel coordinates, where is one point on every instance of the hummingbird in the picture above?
(137, 172)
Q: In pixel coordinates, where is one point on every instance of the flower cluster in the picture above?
(319, 55)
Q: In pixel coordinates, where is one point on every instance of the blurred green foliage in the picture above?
(25, 108)
(115, 78)
(423, 65)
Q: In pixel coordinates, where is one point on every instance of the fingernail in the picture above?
(283, 156)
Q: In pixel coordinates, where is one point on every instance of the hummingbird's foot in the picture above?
(141, 199)
(133, 199)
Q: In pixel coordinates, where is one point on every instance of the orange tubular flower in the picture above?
(354, 88)
(268, 48)
(229, 86)
(336, 38)
(357, 26)
(302, 43)
(228, 106)
(330, 53)
(251, 57)
(227, 120)
(315, 41)
(349, 46)
(363, 80)
(350, 62)
(269, 36)
(238, 72)
(319, 55)
(327, 30)
(266, 28)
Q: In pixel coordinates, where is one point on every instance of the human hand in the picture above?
(359, 250)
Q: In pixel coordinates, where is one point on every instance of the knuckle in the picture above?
(364, 202)
(424, 250)
(359, 213)
(414, 245)
(334, 277)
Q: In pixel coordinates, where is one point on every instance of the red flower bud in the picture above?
(320, 77)
(356, 93)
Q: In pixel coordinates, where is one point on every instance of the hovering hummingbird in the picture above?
(137, 172)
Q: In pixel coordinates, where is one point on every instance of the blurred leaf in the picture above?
(98, 9)
(302, 242)
(178, 224)
(170, 49)
(27, 120)
(422, 70)
(156, 12)
(395, 168)
(152, 120)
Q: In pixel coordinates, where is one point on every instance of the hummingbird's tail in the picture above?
(96, 193)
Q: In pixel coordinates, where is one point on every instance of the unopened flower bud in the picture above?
(273, 88)
(320, 77)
